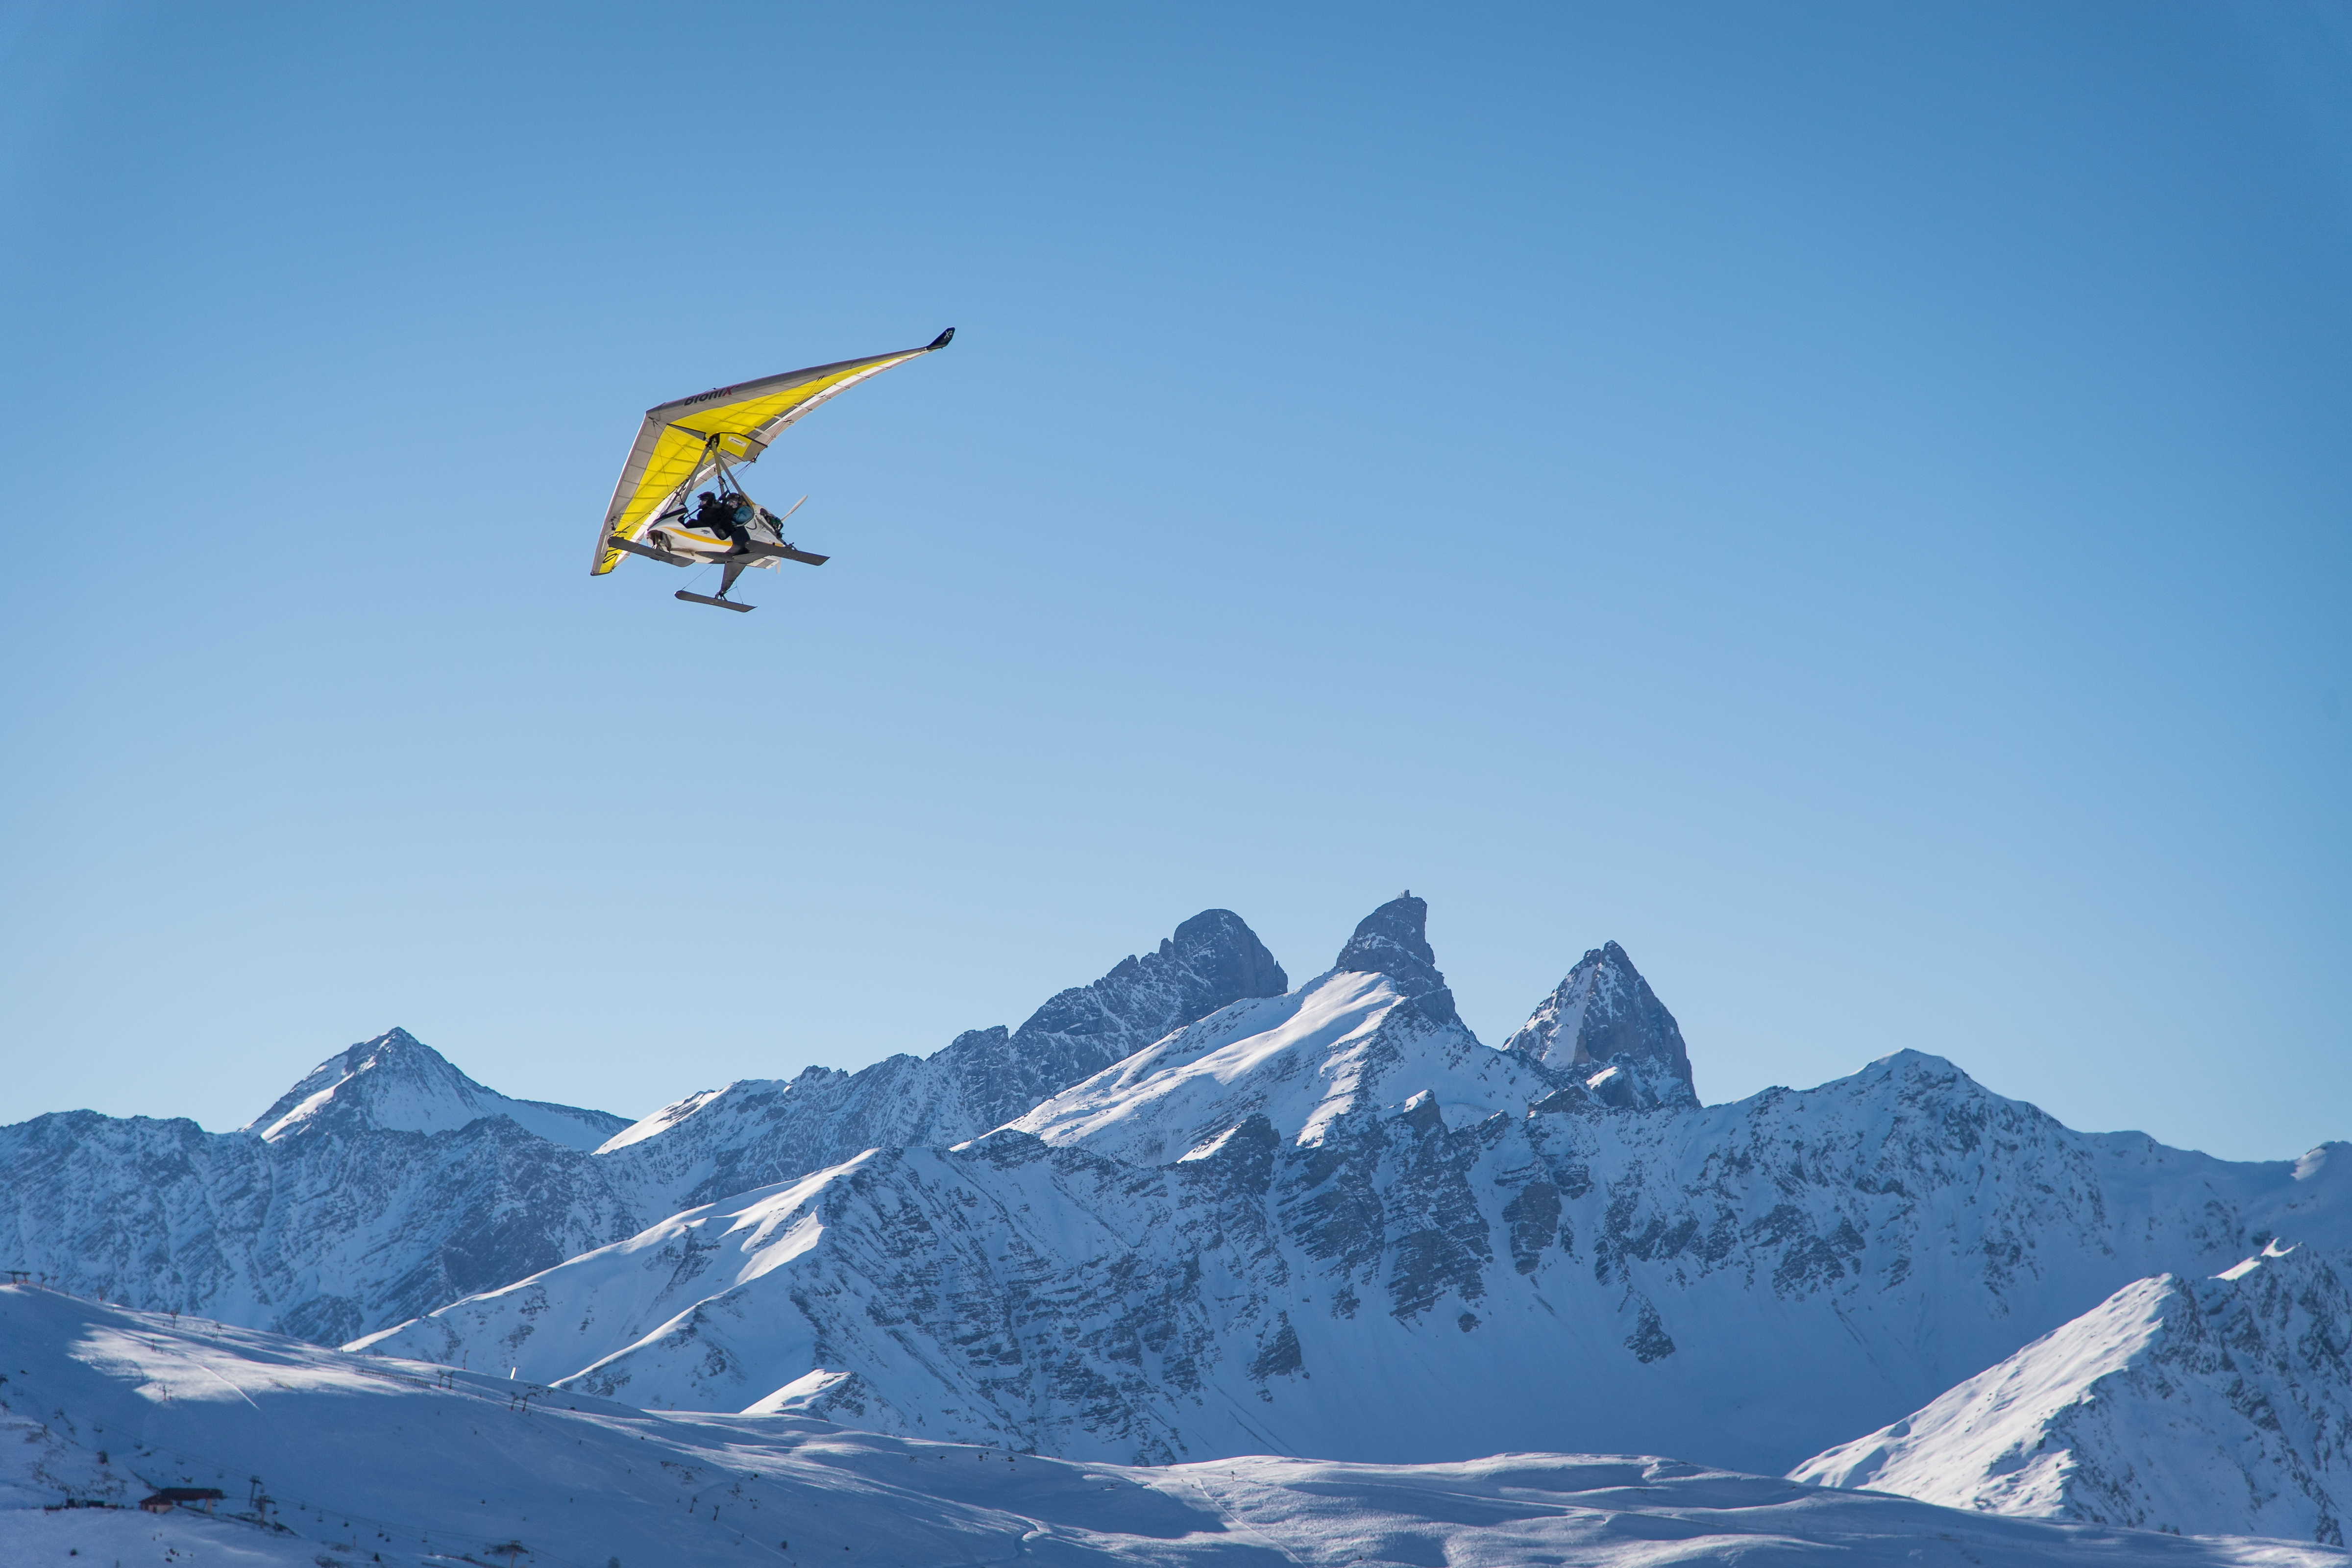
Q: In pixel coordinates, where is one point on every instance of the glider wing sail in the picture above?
(674, 446)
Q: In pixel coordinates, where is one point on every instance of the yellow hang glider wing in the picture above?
(674, 446)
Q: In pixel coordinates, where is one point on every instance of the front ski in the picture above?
(707, 599)
(649, 552)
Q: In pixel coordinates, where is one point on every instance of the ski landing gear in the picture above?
(722, 601)
(734, 570)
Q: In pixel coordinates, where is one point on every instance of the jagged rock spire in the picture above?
(1604, 1009)
(1391, 941)
(1212, 959)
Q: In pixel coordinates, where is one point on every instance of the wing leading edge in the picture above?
(672, 449)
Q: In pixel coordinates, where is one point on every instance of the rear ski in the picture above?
(764, 552)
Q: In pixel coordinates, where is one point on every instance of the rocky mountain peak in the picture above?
(1393, 941)
(1603, 1010)
(1218, 946)
(396, 1082)
(1212, 959)
(394, 1055)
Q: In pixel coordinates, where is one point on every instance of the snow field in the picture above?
(416, 1466)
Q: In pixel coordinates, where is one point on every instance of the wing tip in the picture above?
(942, 341)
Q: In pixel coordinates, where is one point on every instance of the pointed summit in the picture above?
(1392, 940)
(396, 1082)
(1604, 1009)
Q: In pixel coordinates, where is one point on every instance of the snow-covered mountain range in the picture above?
(387, 1183)
(328, 1460)
(1200, 1249)
(1189, 1212)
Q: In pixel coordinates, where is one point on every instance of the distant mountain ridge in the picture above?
(386, 1182)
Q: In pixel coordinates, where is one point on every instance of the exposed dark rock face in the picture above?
(1533, 1216)
(1281, 1357)
(1432, 1217)
(1649, 1340)
(1603, 1011)
(1393, 941)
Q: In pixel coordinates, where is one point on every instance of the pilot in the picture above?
(718, 517)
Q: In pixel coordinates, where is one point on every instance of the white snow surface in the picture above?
(371, 1460)
(2212, 1406)
(670, 1116)
(630, 1303)
(395, 1083)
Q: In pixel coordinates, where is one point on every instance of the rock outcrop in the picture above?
(1604, 1011)
(1393, 941)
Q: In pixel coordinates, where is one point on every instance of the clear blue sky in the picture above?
(1852, 502)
